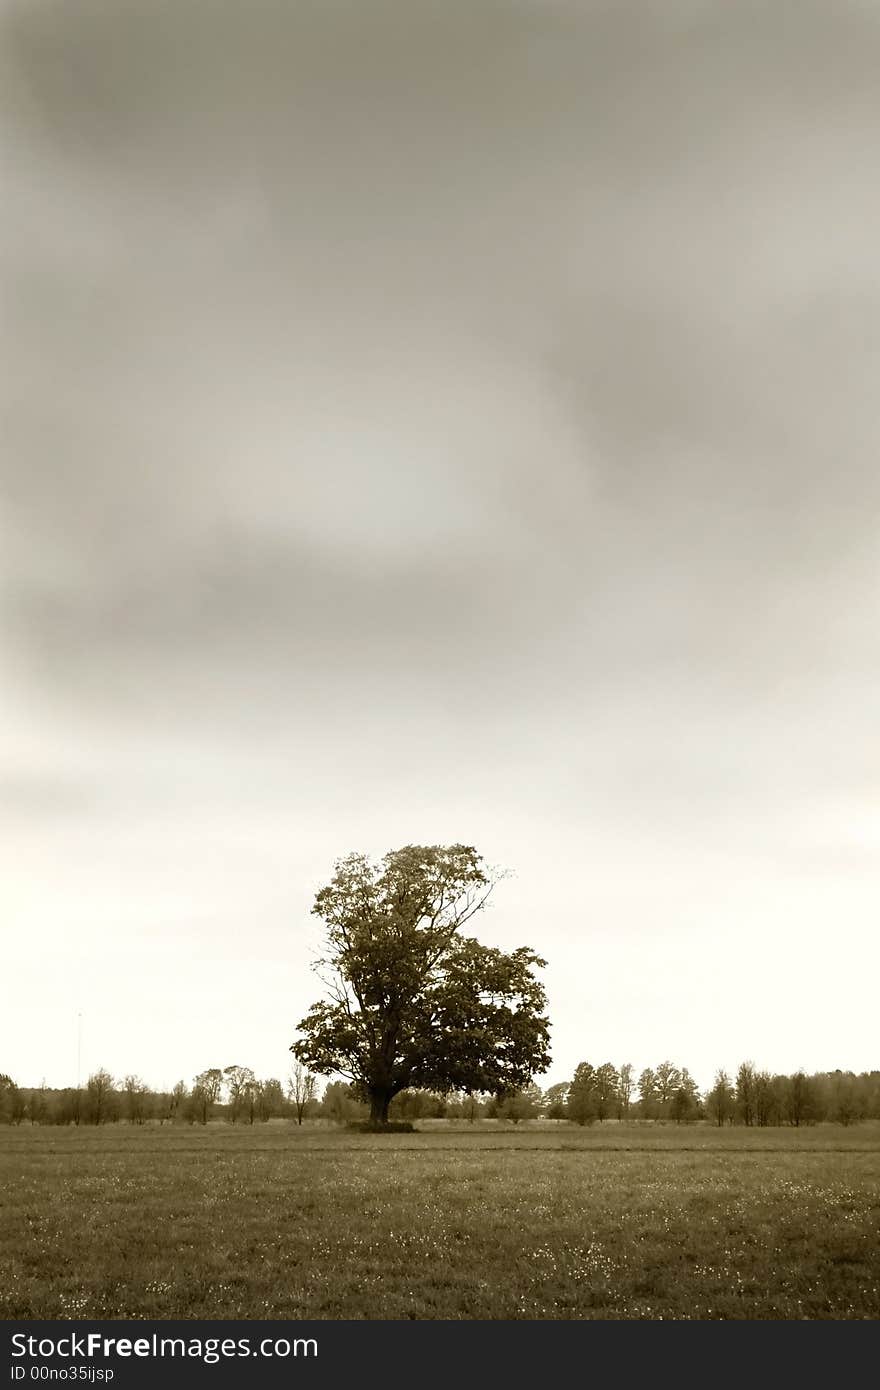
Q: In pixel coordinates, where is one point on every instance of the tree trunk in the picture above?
(380, 1099)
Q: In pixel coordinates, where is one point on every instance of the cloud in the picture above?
(424, 416)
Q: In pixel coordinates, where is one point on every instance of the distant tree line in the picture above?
(756, 1097)
(753, 1097)
(662, 1094)
(231, 1093)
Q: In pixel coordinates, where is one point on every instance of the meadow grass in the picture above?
(485, 1221)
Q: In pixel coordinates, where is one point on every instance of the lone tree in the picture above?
(206, 1092)
(414, 1004)
(302, 1088)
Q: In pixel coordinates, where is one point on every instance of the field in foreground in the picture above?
(481, 1222)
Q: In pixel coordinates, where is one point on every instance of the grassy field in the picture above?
(485, 1221)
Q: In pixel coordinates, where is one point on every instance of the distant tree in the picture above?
(99, 1096)
(844, 1108)
(520, 1105)
(799, 1107)
(869, 1082)
(582, 1104)
(648, 1094)
(205, 1093)
(721, 1100)
(767, 1100)
(453, 1105)
(239, 1089)
(555, 1101)
(745, 1093)
(38, 1105)
(178, 1101)
(262, 1101)
(271, 1100)
(688, 1084)
(532, 1098)
(10, 1100)
(160, 1106)
(251, 1099)
(418, 1105)
(683, 1107)
(135, 1099)
(69, 1107)
(472, 1105)
(413, 1003)
(625, 1088)
(411, 1105)
(668, 1079)
(302, 1087)
(338, 1102)
(607, 1084)
(691, 1090)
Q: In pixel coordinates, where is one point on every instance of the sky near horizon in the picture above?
(440, 423)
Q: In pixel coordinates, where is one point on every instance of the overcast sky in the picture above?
(427, 423)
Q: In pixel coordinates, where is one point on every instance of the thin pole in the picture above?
(79, 1030)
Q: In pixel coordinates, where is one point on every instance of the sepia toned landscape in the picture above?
(439, 661)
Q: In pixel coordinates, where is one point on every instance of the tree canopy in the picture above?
(412, 1003)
